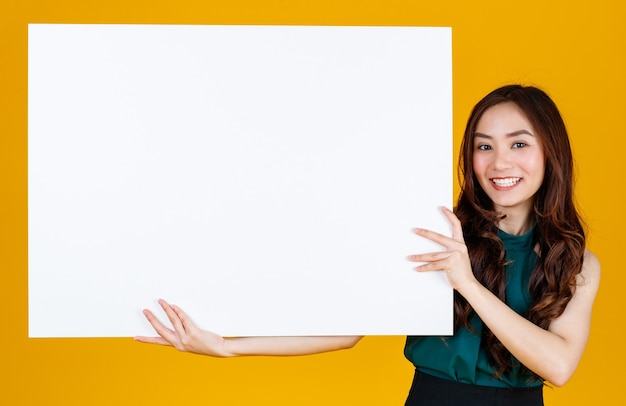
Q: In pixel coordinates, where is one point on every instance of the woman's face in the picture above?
(508, 158)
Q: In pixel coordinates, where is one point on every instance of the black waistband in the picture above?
(431, 390)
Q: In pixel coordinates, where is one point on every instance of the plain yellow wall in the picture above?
(574, 50)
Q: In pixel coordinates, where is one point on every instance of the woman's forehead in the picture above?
(503, 120)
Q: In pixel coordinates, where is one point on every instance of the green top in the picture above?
(461, 357)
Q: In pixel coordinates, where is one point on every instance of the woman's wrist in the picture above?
(469, 289)
(228, 347)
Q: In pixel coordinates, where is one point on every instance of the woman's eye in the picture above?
(484, 147)
(519, 145)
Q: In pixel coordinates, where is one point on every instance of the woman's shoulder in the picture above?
(590, 272)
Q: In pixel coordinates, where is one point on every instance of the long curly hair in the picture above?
(560, 236)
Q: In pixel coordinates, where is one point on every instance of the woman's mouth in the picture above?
(505, 182)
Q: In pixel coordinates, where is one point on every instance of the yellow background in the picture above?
(574, 50)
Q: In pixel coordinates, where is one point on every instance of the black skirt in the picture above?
(428, 390)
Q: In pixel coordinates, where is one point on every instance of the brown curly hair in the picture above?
(560, 236)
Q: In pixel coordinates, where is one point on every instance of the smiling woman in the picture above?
(526, 246)
(524, 282)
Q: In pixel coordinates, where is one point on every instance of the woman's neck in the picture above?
(517, 223)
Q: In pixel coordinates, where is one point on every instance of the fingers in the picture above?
(152, 340)
(154, 322)
(453, 258)
(185, 321)
(457, 229)
(167, 334)
(429, 257)
(173, 317)
(434, 261)
(431, 235)
(434, 266)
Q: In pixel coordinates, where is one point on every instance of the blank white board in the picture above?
(264, 178)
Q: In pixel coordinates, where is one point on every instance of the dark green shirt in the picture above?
(461, 357)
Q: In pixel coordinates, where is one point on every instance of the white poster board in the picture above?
(263, 178)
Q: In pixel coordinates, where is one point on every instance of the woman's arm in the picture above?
(186, 336)
(552, 354)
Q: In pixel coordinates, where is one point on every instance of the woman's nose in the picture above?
(502, 160)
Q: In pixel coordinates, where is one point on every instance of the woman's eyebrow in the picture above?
(511, 134)
(520, 132)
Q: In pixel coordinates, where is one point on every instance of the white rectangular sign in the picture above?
(263, 178)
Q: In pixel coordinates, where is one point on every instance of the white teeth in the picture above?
(506, 182)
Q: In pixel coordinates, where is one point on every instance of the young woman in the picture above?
(524, 282)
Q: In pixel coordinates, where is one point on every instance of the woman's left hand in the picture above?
(184, 334)
(454, 260)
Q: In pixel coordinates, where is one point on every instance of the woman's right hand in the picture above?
(185, 335)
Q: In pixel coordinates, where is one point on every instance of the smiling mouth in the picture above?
(505, 182)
